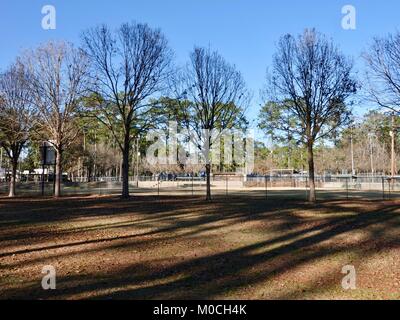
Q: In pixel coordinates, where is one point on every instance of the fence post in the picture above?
(383, 188)
(192, 184)
(226, 185)
(347, 188)
(158, 187)
(266, 187)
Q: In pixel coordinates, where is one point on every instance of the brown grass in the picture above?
(184, 248)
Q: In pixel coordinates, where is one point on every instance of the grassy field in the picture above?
(184, 248)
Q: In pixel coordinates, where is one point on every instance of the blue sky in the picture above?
(244, 32)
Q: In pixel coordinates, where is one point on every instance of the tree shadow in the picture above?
(214, 275)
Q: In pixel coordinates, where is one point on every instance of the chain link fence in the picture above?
(266, 187)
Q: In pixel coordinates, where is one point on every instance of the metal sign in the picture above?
(48, 154)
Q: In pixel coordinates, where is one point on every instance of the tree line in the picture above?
(117, 85)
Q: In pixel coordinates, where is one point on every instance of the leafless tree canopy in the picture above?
(58, 74)
(129, 66)
(215, 91)
(383, 75)
(314, 79)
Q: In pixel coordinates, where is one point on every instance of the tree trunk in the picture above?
(121, 163)
(125, 168)
(208, 174)
(13, 179)
(58, 174)
(311, 169)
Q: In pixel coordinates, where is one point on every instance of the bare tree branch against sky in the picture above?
(243, 32)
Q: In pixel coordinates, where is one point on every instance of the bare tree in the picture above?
(313, 81)
(58, 81)
(215, 96)
(383, 79)
(129, 67)
(16, 116)
(383, 71)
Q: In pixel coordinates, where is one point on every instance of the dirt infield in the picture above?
(184, 248)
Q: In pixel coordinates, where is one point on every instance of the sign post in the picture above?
(47, 153)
